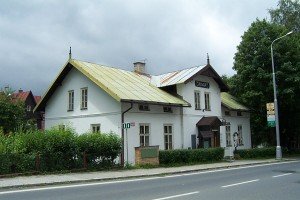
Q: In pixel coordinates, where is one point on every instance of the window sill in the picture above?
(70, 110)
(83, 108)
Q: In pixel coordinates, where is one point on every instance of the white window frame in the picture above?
(167, 109)
(228, 135)
(207, 101)
(28, 108)
(197, 96)
(240, 135)
(144, 136)
(84, 98)
(168, 136)
(70, 100)
(96, 128)
(144, 107)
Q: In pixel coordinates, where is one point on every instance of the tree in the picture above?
(287, 14)
(12, 113)
(253, 82)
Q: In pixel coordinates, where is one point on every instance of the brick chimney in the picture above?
(139, 67)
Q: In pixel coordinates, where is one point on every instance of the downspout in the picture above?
(122, 122)
(181, 127)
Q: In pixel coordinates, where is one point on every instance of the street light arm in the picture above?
(282, 37)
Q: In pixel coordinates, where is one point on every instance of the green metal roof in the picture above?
(121, 85)
(231, 102)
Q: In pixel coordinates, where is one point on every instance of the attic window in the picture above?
(144, 107)
(167, 109)
(227, 113)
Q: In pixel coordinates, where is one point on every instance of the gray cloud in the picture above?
(171, 34)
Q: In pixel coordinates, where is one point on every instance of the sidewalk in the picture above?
(38, 180)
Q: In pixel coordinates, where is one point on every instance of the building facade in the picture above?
(183, 109)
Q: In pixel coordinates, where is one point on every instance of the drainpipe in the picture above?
(122, 119)
(181, 127)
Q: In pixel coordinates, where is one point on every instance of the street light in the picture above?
(278, 147)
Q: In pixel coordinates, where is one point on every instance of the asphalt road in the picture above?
(272, 181)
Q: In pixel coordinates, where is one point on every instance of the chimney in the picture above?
(139, 67)
(20, 90)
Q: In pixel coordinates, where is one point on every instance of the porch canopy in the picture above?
(209, 121)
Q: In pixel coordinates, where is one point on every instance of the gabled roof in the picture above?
(22, 96)
(186, 75)
(209, 121)
(121, 85)
(231, 102)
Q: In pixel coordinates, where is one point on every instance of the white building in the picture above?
(184, 109)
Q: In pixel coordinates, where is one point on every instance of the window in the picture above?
(228, 136)
(71, 100)
(61, 127)
(168, 137)
(144, 107)
(227, 113)
(144, 135)
(95, 128)
(168, 109)
(84, 98)
(239, 113)
(207, 101)
(240, 135)
(28, 108)
(197, 100)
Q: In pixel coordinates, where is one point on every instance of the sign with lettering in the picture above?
(201, 84)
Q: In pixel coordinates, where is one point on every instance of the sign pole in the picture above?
(126, 146)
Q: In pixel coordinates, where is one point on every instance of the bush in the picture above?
(101, 149)
(268, 152)
(180, 156)
(56, 150)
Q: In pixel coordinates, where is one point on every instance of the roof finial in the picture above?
(70, 54)
(208, 59)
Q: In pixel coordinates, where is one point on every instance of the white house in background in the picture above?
(181, 109)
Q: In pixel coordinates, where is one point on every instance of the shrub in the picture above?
(180, 156)
(268, 152)
(101, 149)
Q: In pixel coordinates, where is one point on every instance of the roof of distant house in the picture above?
(231, 102)
(21, 95)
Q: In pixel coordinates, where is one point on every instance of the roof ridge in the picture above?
(180, 70)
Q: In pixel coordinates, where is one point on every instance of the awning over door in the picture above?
(209, 121)
(206, 134)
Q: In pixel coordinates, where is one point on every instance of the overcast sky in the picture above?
(170, 34)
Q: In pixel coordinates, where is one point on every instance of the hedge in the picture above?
(54, 150)
(266, 152)
(180, 156)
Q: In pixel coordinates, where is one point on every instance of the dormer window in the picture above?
(144, 107)
(167, 109)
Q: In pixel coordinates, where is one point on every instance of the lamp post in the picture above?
(278, 147)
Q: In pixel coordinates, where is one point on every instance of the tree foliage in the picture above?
(252, 83)
(12, 113)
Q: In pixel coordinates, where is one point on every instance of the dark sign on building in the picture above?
(201, 84)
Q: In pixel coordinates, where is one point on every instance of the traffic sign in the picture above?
(271, 120)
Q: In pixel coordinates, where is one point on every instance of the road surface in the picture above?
(269, 181)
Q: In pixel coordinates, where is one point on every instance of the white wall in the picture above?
(102, 109)
(156, 118)
(192, 116)
(234, 121)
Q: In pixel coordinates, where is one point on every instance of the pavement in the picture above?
(51, 179)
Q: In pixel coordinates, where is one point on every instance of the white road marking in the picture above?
(139, 179)
(282, 175)
(235, 184)
(175, 196)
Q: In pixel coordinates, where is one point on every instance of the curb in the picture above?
(143, 175)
